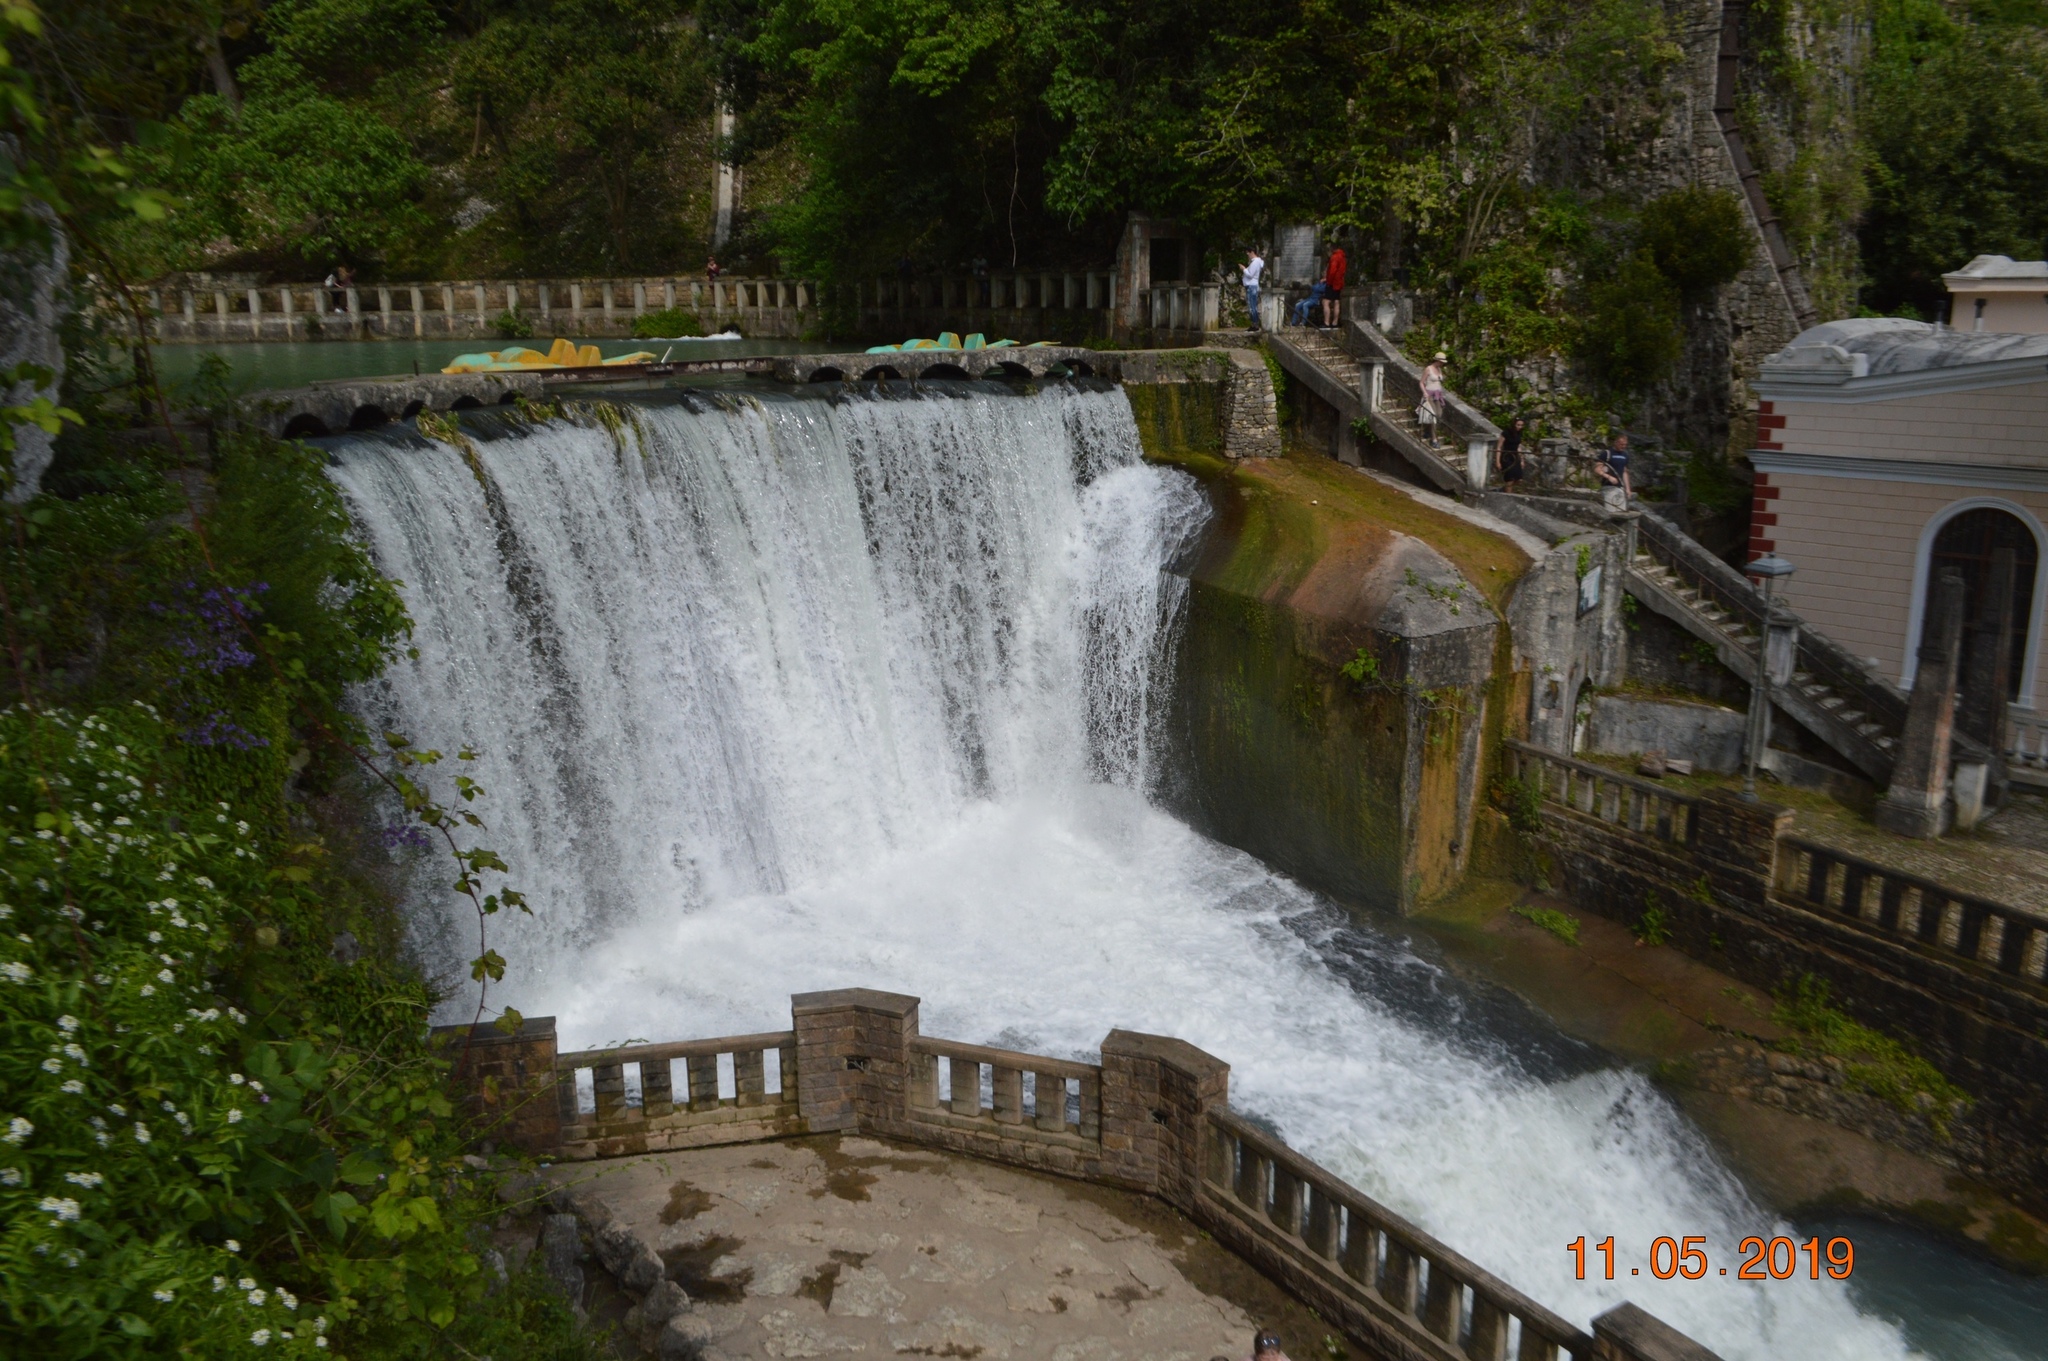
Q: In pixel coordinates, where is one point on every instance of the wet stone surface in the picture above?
(847, 1246)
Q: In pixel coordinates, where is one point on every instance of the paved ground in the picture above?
(846, 1246)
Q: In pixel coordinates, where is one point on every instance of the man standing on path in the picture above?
(1254, 267)
(1612, 470)
(1333, 287)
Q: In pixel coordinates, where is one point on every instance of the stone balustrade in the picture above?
(2011, 940)
(1011, 300)
(1153, 1116)
(469, 308)
(1624, 800)
(1049, 1096)
(725, 1090)
(1361, 1265)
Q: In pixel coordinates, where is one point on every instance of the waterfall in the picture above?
(775, 694)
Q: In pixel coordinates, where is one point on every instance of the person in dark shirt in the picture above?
(1510, 456)
(1612, 469)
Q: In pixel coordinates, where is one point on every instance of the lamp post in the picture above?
(1769, 568)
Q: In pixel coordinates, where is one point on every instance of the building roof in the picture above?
(1998, 271)
(1888, 356)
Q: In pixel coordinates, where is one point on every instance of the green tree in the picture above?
(1959, 143)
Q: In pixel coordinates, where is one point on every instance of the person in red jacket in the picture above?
(1333, 282)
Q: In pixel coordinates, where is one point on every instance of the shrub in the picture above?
(512, 326)
(1654, 926)
(672, 321)
(1631, 335)
(1697, 237)
(214, 1135)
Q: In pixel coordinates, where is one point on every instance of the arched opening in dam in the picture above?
(869, 687)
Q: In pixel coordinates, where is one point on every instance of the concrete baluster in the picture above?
(609, 1082)
(1008, 1095)
(255, 315)
(576, 308)
(1916, 803)
(1049, 1102)
(482, 318)
(384, 310)
(1319, 1229)
(448, 308)
(657, 1090)
(639, 299)
(1489, 1339)
(419, 312)
(1443, 1305)
(220, 312)
(702, 1074)
(1399, 1283)
(606, 288)
(511, 297)
(1361, 1259)
(923, 1088)
(544, 293)
(750, 1078)
(668, 295)
(966, 1076)
(1286, 1211)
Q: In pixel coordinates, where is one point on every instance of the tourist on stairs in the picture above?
(1333, 287)
(1266, 1347)
(1432, 407)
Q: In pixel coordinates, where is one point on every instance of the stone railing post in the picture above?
(1156, 1096)
(507, 1081)
(1916, 802)
(1626, 1333)
(853, 1059)
(1741, 839)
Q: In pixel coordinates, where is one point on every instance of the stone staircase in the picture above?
(1323, 361)
(1831, 694)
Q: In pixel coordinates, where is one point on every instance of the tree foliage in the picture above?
(1959, 142)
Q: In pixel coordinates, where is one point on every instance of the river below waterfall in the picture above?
(779, 693)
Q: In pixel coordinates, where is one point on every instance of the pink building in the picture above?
(1889, 449)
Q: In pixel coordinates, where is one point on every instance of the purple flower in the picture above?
(407, 836)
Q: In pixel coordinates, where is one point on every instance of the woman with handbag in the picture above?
(1432, 408)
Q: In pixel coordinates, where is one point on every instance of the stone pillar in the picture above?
(1133, 271)
(1626, 1333)
(384, 309)
(284, 305)
(1916, 803)
(419, 312)
(507, 1082)
(482, 321)
(255, 315)
(1156, 1096)
(1739, 841)
(853, 1059)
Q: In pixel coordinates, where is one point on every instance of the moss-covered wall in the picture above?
(1360, 785)
(1179, 416)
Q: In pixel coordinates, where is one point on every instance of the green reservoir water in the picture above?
(261, 365)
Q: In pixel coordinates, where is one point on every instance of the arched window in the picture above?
(1966, 540)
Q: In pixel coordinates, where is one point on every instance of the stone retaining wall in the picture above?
(1736, 891)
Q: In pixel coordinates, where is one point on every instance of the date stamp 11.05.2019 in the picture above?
(1756, 1259)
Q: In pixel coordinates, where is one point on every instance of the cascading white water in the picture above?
(787, 694)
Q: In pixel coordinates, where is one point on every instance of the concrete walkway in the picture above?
(846, 1246)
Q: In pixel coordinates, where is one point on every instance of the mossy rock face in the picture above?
(1358, 784)
(1178, 416)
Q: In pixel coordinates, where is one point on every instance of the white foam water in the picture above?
(786, 694)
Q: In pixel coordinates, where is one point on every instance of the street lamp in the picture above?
(1770, 567)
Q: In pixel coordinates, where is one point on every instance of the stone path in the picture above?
(845, 1246)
